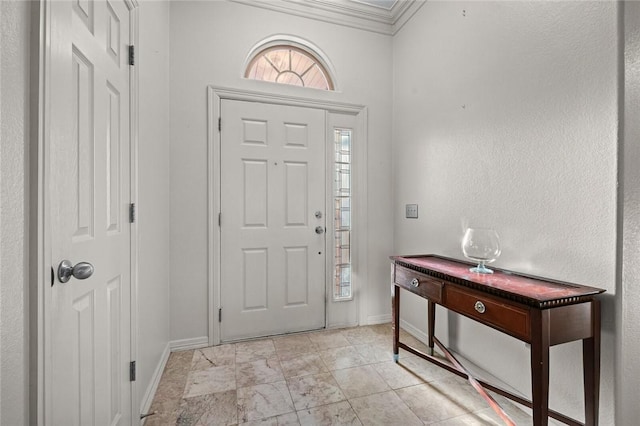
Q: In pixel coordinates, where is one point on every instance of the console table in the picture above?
(537, 311)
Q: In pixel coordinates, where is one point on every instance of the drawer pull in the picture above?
(479, 306)
(414, 282)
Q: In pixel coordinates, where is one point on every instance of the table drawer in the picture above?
(420, 284)
(508, 318)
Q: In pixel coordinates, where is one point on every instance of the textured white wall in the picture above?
(209, 44)
(14, 137)
(505, 115)
(628, 296)
(153, 187)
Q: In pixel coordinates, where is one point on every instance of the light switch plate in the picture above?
(411, 211)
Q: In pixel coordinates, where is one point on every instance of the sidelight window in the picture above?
(342, 214)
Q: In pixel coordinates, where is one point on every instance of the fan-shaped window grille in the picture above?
(289, 65)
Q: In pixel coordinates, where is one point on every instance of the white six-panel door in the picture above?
(272, 201)
(88, 335)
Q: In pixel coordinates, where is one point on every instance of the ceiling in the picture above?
(381, 16)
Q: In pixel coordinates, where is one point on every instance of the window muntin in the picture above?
(291, 65)
(342, 289)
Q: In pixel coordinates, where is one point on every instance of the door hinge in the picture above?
(132, 371)
(220, 315)
(132, 55)
(219, 124)
(219, 219)
(132, 212)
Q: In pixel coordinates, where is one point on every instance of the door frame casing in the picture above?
(215, 95)
(41, 223)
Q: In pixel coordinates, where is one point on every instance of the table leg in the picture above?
(431, 314)
(540, 366)
(395, 319)
(591, 368)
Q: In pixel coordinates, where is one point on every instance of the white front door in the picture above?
(272, 219)
(87, 137)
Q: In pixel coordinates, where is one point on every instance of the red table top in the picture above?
(535, 290)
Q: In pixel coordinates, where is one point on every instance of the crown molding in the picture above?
(379, 3)
(345, 12)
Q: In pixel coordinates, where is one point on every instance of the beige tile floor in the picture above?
(339, 377)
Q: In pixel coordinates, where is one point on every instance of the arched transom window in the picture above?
(288, 64)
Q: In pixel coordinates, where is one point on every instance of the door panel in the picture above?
(255, 193)
(272, 183)
(254, 279)
(296, 273)
(88, 139)
(296, 196)
(82, 97)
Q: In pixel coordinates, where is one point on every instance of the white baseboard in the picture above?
(378, 319)
(147, 399)
(414, 331)
(193, 343)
